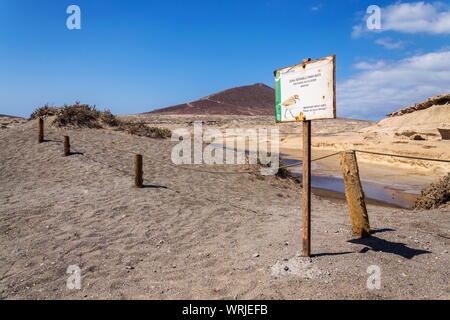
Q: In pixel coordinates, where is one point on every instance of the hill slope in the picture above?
(424, 118)
(257, 99)
(8, 116)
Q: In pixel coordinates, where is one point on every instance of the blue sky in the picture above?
(135, 56)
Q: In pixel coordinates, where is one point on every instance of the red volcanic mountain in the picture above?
(257, 99)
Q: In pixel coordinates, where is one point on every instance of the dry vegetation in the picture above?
(141, 129)
(86, 116)
(285, 173)
(45, 111)
(435, 195)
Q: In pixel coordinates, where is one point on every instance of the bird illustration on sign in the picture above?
(289, 104)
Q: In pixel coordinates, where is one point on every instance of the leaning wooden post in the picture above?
(355, 195)
(66, 146)
(138, 180)
(40, 130)
(306, 188)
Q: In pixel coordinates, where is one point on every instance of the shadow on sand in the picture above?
(330, 254)
(377, 244)
(51, 140)
(380, 245)
(151, 186)
(373, 231)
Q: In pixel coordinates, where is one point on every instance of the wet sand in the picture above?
(396, 186)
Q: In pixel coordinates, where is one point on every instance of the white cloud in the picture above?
(414, 17)
(316, 7)
(385, 87)
(357, 31)
(388, 43)
(369, 66)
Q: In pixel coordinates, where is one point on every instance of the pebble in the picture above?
(286, 268)
(256, 255)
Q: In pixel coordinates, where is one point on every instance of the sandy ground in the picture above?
(191, 234)
(339, 134)
(398, 178)
(222, 122)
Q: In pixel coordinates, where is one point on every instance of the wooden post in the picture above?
(306, 188)
(40, 130)
(138, 180)
(66, 146)
(355, 195)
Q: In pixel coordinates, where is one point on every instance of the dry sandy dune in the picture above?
(191, 234)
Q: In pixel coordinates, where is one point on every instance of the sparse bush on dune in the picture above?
(87, 116)
(45, 111)
(141, 129)
(78, 115)
(109, 119)
(435, 195)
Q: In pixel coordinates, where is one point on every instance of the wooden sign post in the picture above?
(306, 92)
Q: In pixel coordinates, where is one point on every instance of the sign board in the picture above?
(306, 91)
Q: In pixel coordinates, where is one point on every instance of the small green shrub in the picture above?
(435, 195)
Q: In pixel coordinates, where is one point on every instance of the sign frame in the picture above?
(332, 58)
